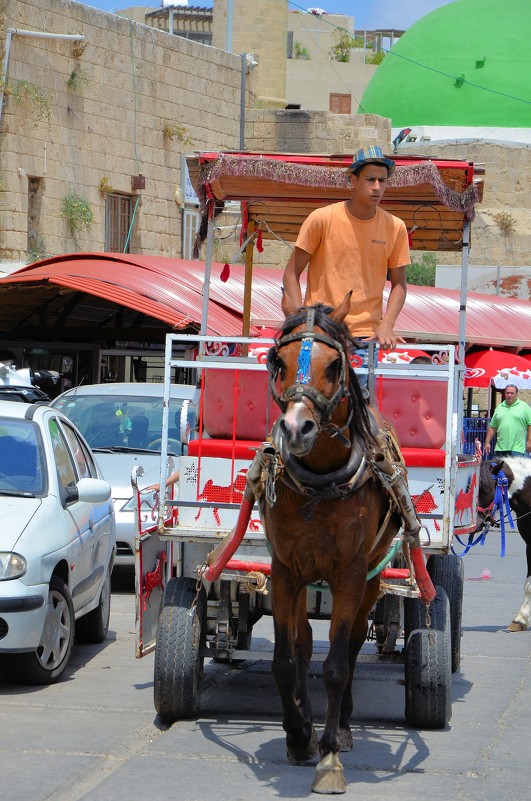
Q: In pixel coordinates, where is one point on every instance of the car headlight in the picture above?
(12, 565)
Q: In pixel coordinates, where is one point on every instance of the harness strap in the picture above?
(501, 500)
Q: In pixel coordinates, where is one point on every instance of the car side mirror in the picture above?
(89, 490)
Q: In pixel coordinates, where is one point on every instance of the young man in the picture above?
(351, 246)
(511, 423)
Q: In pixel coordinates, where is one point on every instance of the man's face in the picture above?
(369, 184)
(510, 395)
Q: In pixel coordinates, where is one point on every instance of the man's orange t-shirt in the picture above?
(347, 253)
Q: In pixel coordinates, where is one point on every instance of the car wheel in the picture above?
(94, 626)
(47, 664)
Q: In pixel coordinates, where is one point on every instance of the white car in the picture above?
(57, 543)
(122, 423)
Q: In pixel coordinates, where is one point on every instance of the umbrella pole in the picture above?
(470, 393)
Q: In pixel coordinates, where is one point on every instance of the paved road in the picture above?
(95, 737)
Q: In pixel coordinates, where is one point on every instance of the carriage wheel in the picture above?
(448, 571)
(181, 634)
(428, 674)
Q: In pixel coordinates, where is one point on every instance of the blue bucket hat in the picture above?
(370, 155)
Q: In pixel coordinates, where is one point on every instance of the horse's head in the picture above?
(488, 474)
(311, 378)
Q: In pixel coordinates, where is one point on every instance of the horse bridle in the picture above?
(300, 390)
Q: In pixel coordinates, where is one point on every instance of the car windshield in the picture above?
(22, 462)
(128, 421)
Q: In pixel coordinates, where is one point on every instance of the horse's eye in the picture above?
(332, 370)
(274, 362)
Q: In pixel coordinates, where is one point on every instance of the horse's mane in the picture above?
(487, 482)
(360, 426)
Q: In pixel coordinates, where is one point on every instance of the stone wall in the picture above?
(297, 131)
(127, 103)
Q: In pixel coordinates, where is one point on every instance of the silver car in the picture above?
(57, 542)
(123, 425)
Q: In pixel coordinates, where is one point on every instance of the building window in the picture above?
(118, 214)
(340, 104)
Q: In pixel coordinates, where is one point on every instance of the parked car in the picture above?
(123, 425)
(57, 543)
(20, 385)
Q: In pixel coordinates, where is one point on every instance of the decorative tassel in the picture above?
(225, 273)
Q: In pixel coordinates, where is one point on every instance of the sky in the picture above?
(370, 14)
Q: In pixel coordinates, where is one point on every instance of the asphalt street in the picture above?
(95, 736)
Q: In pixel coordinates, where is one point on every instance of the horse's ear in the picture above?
(339, 313)
(288, 306)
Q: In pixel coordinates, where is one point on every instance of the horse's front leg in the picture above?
(337, 672)
(358, 636)
(291, 658)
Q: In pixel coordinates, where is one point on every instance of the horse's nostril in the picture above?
(308, 428)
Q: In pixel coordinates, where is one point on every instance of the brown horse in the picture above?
(327, 518)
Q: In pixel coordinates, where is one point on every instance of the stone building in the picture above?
(93, 129)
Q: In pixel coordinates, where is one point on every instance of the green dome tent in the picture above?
(466, 64)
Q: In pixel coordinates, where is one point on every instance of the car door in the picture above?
(77, 518)
(100, 515)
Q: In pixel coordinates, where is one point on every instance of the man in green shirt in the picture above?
(511, 423)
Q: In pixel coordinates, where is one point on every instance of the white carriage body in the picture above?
(442, 482)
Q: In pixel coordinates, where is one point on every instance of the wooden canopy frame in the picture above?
(434, 197)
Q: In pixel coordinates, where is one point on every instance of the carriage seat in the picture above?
(244, 392)
(417, 409)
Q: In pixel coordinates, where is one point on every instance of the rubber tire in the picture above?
(94, 626)
(428, 669)
(178, 663)
(28, 668)
(448, 571)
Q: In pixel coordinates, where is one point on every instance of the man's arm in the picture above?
(490, 434)
(297, 263)
(385, 332)
(528, 444)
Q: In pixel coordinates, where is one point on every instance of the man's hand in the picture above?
(386, 336)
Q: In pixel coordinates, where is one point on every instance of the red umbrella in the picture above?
(495, 367)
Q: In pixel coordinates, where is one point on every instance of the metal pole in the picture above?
(10, 32)
(206, 283)
(243, 88)
(229, 26)
(462, 326)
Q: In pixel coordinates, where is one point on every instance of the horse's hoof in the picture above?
(345, 740)
(516, 625)
(305, 754)
(329, 777)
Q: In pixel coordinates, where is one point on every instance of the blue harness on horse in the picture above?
(501, 500)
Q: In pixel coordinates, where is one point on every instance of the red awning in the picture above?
(170, 290)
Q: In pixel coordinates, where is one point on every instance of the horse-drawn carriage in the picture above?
(205, 566)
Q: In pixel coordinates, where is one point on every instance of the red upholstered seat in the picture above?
(225, 448)
(416, 408)
(423, 457)
(256, 411)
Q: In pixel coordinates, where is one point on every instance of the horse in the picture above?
(517, 471)
(328, 517)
